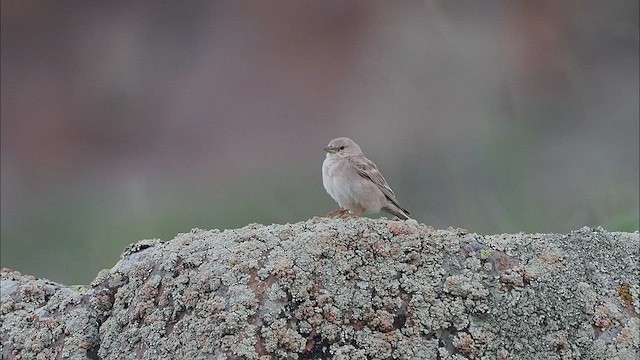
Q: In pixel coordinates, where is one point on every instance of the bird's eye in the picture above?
(342, 147)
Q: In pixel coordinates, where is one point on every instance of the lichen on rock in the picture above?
(340, 289)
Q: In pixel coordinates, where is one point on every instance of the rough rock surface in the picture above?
(340, 289)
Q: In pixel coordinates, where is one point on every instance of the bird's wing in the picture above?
(368, 170)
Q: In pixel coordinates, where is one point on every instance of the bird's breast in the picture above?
(342, 182)
(333, 179)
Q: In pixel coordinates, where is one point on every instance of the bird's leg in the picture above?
(351, 216)
(333, 213)
(337, 212)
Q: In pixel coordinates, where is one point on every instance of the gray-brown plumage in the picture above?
(355, 183)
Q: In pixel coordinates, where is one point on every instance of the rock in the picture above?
(340, 289)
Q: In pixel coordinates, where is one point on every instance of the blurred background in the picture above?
(130, 120)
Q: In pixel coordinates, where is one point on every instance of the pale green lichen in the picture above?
(485, 253)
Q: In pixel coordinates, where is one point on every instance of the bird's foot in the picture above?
(338, 213)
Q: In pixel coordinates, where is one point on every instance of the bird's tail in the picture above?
(397, 211)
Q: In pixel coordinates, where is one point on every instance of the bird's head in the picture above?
(341, 148)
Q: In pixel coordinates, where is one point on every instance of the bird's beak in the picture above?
(330, 149)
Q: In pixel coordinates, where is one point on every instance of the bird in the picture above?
(355, 182)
